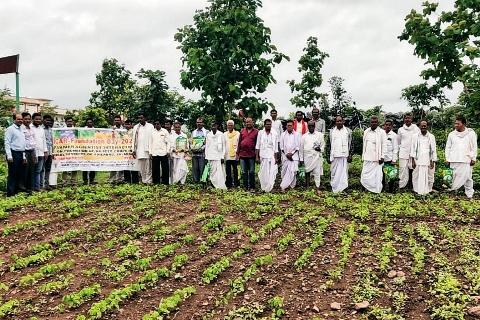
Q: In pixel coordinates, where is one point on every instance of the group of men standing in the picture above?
(162, 152)
(415, 150)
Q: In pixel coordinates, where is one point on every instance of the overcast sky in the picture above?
(63, 42)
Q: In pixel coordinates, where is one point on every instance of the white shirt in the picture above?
(340, 142)
(424, 149)
(375, 145)
(40, 140)
(392, 147)
(310, 141)
(290, 143)
(215, 146)
(404, 137)
(141, 140)
(160, 144)
(461, 146)
(277, 127)
(267, 144)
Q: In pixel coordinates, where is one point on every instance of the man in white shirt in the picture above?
(276, 123)
(130, 176)
(340, 155)
(311, 154)
(424, 155)
(180, 149)
(461, 154)
(290, 146)
(373, 156)
(142, 133)
(30, 152)
(231, 162)
(159, 150)
(391, 156)
(15, 153)
(215, 147)
(41, 149)
(198, 150)
(116, 177)
(405, 136)
(267, 156)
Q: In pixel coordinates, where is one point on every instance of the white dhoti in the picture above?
(404, 166)
(267, 174)
(339, 172)
(145, 168)
(372, 176)
(289, 174)
(462, 177)
(179, 171)
(217, 174)
(422, 179)
(314, 165)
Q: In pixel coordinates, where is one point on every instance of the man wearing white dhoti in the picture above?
(373, 156)
(215, 147)
(267, 155)
(180, 149)
(141, 144)
(290, 146)
(424, 155)
(311, 154)
(461, 155)
(340, 155)
(404, 136)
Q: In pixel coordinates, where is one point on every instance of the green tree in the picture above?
(7, 104)
(99, 116)
(154, 98)
(116, 94)
(448, 41)
(310, 66)
(341, 100)
(228, 55)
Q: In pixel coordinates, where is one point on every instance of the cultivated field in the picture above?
(136, 252)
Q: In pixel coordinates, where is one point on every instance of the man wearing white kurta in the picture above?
(373, 156)
(340, 155)
(215, 147)
(290, 146)
(405, 135)
(141, 145)
(311, 151)
(180, 149)
(424, 156)
(461, 154)
(276, 124)
(391, 156)
(267, 155)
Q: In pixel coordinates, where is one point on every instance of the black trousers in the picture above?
(30, 170)
(198, 165)
(130, 176)
(16, 174)
(160, 168)
(89, 177)
(231, 168)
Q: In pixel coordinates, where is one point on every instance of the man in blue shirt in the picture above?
(15, 152)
